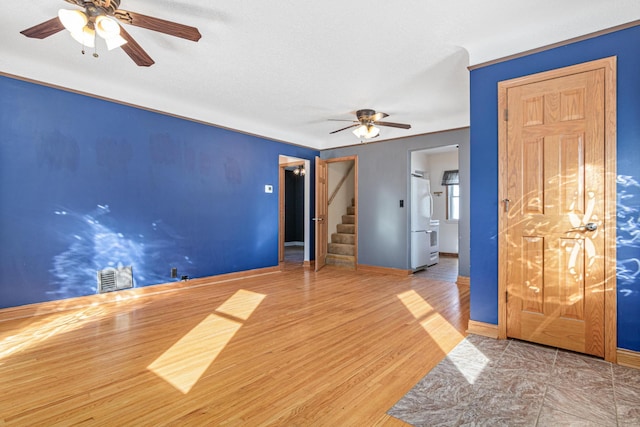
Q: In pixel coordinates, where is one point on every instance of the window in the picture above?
(453, 202)
(451, 181)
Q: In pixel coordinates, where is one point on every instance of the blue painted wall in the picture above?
(624, 44)
(86, 184)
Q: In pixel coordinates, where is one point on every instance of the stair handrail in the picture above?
(344, 178)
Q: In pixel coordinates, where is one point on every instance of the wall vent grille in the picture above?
(115, 279)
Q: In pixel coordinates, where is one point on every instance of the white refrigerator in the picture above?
(421, 213)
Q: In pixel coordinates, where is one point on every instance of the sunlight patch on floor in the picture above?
(46, 327)
(183, 364)
(416, 304)
(469, 361)
(432, 321)
(241, 304)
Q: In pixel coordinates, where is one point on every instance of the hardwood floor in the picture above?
(290, 348)
(446, 269)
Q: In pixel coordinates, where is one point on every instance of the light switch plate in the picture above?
(268, 188)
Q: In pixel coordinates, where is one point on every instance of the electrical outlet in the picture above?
(268, 188)
(174, 272)
(402, 203)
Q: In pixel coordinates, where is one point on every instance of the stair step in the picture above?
(343, 261)
(351, 210)
(348, 219)
(343, 238)
(341, 249)
(346, 228)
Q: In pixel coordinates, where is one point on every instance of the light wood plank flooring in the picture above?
(290, 348)
(446, 269)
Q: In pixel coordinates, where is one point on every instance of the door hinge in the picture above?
(506, 115)
(506, 296)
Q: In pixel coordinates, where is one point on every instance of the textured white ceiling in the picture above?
(280, 69)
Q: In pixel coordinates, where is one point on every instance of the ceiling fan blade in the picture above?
(135, 51)
(393, 125)
(157, 24)
(342, 120)
(44, 29)
(379, 116)
(350, 126)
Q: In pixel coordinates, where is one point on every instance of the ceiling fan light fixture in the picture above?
(104, 16)
(360, 131)
(372, 131)
(86, 37)
(366, 131)
(365, 125)
(72, 20)
(107, 27)
(115, 42)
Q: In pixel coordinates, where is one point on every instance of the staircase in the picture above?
(341, 250)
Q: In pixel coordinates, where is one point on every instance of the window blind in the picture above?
(450, 178)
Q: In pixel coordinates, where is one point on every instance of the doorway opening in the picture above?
(337, 212)
(434, 211)
(294, 211)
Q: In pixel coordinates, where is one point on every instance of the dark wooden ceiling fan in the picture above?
(367, 120)
(96, 10)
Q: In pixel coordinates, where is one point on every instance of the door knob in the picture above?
(590, 226)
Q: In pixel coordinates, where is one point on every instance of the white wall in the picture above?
(420, 162)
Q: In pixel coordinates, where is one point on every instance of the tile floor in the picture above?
(487, 382)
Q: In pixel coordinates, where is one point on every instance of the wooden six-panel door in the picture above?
(322, 211)
(555, 211)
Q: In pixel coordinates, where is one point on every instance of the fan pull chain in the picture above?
(95, 51)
